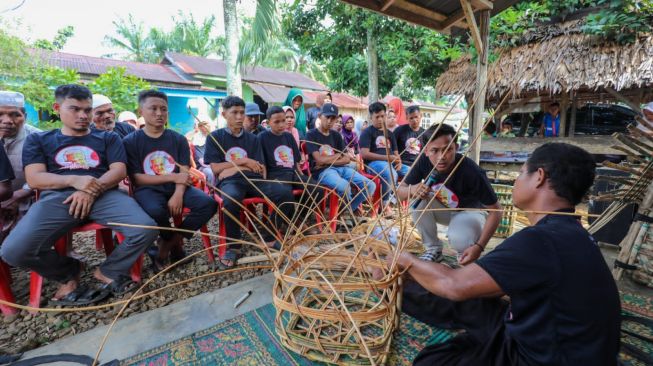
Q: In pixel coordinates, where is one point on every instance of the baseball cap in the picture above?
(252, 109)
(329, 110)
(12, 99)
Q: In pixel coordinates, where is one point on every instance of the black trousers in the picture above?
(309, 200)
(483, 341)
(234, 190)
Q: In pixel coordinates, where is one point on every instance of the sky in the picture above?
(92, 19)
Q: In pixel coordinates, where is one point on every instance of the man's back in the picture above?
(565, 306)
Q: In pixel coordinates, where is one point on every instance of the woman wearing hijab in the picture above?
(396, 105)
(290, 118)
(348, 134)
(295, 99)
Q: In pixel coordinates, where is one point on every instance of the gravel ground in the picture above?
(24, 331)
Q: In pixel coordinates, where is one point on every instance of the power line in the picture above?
(14, 8)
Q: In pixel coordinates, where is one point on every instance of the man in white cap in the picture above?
(129, 118)
(104, 117)
(13, 132)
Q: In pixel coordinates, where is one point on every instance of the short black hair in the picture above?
(377, 107)
(232, 101)
(444, 130)
(412, 109)
(151, 93)
(554, 104)
(506, 123)
(569, 169)
(73, 91)
(274, 110)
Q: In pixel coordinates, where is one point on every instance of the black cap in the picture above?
(329, 110)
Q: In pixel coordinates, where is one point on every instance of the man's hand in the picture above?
(420, 190)
(226, 173)
(470, 254)
(176, 204)
(88, 184)
(254, 166)
(80, 204)
(183, 178)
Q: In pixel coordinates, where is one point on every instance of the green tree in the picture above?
(335, 35)
(38, 86)
(188, 36)
(122, 89)
(59, 41)
(130, 37)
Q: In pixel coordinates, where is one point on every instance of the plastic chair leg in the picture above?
(334, 203)
(5, 290)
(35, 288)
(207, 243)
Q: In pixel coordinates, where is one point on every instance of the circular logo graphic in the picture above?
(445, 195)
(283, 156)
(326, 150)
(413, 146)
(235, 153)
(381, 142)
(158, 163)
(77, 157)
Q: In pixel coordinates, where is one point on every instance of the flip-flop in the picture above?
(120, 286)
(229, 255)
(81, 296)
(276, 246)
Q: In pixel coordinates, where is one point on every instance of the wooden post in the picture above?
(481, 86)
(574, 113)
(564, 105)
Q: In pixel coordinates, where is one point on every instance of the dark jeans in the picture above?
(310, 198)
(30, 244)
(483, 341)
(154, 202)
(234, 190)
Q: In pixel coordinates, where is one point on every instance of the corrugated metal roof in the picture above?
(277, 95)
(194, 65)
(97, 65)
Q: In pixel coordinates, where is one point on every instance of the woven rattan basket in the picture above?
(328, 306)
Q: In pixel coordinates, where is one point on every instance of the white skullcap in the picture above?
(12, 99)
(649, 107)
(99, 99)
(127, 116)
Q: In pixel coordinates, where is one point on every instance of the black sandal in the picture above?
(81, 296)
(120, 286)
(230, 255)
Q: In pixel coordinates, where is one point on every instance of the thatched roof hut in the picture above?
(561, 58)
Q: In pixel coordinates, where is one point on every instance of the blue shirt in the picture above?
(551, 125)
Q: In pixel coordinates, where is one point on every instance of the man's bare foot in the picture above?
(176, 240)
(101, 277)
(388, 211)
(66, 288)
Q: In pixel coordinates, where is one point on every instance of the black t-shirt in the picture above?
(156, 156)
(123, 129)
(91, 154)
(468, 187)
(374, 139)
(280, 152)
(408, 143)
(565, 307)
(230, 147)
(325, 145)
(312, 114)
(6, 171)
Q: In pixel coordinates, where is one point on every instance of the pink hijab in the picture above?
(293, 131)
(398, 107)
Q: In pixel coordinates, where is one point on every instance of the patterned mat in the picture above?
(250, 340)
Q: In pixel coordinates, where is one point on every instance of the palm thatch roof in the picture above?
(558, 58)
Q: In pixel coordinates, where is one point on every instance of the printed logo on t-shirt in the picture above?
(445, 195)
(326, 150)
(413, 146)
(382, 142)
(235, 153)
(77, 157)
(283, 156)
(158, 163)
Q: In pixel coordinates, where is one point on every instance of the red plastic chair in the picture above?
(5, 289)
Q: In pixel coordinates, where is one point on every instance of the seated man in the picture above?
(467, 187)
(408, 137)
(77, 171)
(252, 123)
(282, 157)
(14, 132)
(104, 117)
(236, 159)
(162, 188)
(6, 176)
(380, 154)
(564, 305)
(330, 163)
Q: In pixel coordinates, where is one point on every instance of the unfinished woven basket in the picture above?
(328, 306)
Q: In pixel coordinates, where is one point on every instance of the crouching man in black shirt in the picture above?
(564, 306)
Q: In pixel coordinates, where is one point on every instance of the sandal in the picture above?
(276, 246)
(230, 255)
(120, 286)
(81, 296)
(156, 264)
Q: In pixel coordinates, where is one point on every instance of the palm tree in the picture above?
(131, 38)
(192, 37)
(234, 79)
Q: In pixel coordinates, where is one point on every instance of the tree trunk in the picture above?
(232, 35)
(372, 68)
(477, 122)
